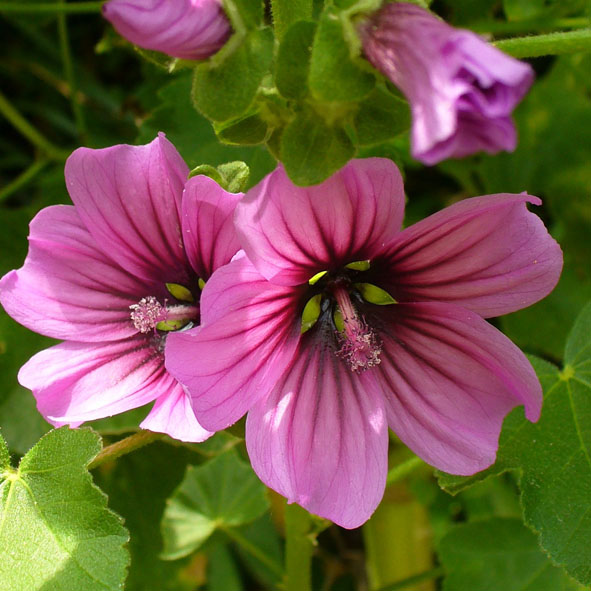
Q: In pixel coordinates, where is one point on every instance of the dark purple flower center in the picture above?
(337, 298)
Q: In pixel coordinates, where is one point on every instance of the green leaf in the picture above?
(293, 60)
(244, 14)
(138, 485)
(20, 421)
(225, 90)
(220, 494)
(55, 529)
(287, 12)
(381, 116)
(248, 131)
(554, 456)
(498, 554)
(193, 135)
(312, 150)
(222, 571)
(334, 75)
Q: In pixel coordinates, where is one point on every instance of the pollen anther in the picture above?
(147, 313)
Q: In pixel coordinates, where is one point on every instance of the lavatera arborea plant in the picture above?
(334, 324)
(113, 275)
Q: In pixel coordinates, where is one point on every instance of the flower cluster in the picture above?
(330, 324)
(308, 308)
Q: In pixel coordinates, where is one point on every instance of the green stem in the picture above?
(20, 181)
(402, 470)
(71, 8)
(29, 131)
(550, 44)
(299, 548)
(125, 446)
(528, 26)
(434, 573)
(287, 12)
(253, 550)
(69, 74)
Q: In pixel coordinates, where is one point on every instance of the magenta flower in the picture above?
(303, 333)
(112, 276)
(188, 29)
(461, 90)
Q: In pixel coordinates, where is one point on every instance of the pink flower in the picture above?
(96, 276)
(461, 90)
(321, 387)
(188, 29)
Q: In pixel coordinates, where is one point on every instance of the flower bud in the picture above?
(187, 29)
(461, 89)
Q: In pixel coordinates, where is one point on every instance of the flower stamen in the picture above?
(147, 313)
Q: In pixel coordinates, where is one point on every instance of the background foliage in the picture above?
(195, 515)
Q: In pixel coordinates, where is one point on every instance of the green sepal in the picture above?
(249, 130)
(236, 176)
(359, 265)
(231, 176)
(224, 89)
(311, 312)
(180, 292)
(293, 60)
(208, 170)
(312, 150)
(335, 76)
(170, 325)
(374, 294)
(381, 116)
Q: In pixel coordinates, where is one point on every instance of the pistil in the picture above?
(360, 347)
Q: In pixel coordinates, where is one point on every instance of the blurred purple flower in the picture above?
(461, 90)
(321, 387)
(188, 29)
(103, 273)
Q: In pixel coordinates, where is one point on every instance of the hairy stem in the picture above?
(299, 548)
(404, 469)
(20, 123)
(550, 44)
(125, 446)
(69, 74)
(71, 7)
(253, 550)
(434, 573)
(22, 179)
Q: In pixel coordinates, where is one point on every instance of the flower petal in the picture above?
(208, 225)
(129, 198)
(188, 29)
(67, 288)
(449, 378)
(320, 438)
(290, 233)
(77, 382)
(172, 414)
(248, 335)
(488, 254)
